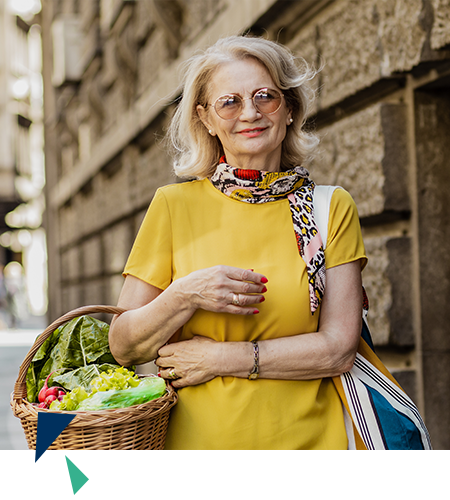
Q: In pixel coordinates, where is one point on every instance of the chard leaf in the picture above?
(79, 343)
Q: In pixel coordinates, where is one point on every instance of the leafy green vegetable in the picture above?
(81, 343)
(71, 400)
(82, 377)
(149, 388)
(34, 384)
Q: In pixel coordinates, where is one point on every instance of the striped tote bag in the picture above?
(378, 414)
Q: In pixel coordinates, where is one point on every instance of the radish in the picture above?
(42, 392)
(46, 391)
(49, 400)
(54, 391)
(42, 405)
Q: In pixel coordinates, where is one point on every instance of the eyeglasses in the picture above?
(230, 106)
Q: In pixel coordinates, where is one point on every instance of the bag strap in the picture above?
(321, 203)
(368, 417)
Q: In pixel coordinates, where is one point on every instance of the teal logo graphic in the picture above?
(76, 477)
(76, 467)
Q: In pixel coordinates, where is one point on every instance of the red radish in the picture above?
(61, 393)
(54, 391)
(49, 400)
(51, 391)
(42, 392)
(42, 405)
(61, 397)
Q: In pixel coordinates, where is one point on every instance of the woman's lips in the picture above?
(252, 132)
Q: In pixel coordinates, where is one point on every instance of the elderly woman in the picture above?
(225, 284)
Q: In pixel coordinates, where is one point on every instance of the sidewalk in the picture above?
(18, 337)
(14, 346)
(26, 333)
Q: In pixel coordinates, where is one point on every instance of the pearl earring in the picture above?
(291, 120)
(210, 131)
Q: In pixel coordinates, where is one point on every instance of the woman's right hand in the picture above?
(152, 315)
(223, 289)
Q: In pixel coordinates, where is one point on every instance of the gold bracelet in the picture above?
(254, 374)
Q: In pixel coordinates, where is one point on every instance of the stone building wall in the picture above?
(382, 112)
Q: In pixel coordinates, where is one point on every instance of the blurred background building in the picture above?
(110, 73)
(23, 271)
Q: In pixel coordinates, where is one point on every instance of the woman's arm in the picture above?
(154, 315)
(328, 352)
(332, 350)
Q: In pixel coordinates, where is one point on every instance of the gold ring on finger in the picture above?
(235, 300)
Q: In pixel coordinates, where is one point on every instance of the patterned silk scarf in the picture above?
(255, 186)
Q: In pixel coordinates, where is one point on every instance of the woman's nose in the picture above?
(249, 111)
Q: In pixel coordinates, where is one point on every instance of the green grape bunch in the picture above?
(118, 379)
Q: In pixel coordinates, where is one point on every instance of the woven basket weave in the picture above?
(140, 427)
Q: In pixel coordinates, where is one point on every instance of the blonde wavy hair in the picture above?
(196, 153)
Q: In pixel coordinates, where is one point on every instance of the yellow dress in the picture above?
(191, 226)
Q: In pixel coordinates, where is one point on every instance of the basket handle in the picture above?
(20, 387)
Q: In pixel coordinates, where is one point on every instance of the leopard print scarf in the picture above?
(255, 186)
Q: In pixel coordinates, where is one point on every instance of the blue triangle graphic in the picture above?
(50, 426)
(77, 478)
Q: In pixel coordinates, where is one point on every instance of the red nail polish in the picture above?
(264, 290)
(159, 374)
(264, 279)
(262, 299)
(255, 311)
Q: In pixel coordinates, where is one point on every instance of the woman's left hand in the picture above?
(191, 361)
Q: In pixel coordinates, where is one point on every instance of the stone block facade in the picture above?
(381, 112)
(387, 280)
(366, 153)
(362, 41)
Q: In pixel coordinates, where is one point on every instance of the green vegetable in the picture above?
(71, 400)
(149, 388)
(118, 379)
(81, 343)
(83, 377)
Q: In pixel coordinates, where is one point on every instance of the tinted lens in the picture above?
(228, 106)
(267, 101)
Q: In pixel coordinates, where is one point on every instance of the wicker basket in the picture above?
(140, 427)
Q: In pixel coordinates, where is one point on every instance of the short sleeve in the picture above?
(345, 243)
(150, 258)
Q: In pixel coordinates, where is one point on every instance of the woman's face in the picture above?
(252, 139)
